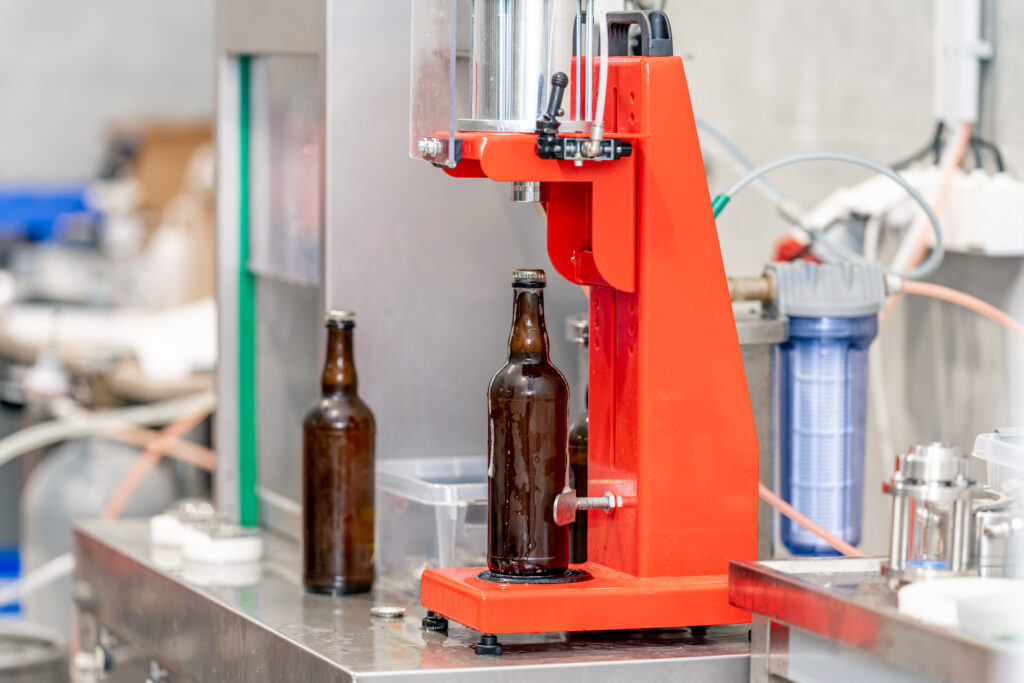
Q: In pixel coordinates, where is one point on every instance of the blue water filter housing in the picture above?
(822, 376)
(823, 373)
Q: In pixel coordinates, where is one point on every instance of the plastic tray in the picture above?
(430, 512)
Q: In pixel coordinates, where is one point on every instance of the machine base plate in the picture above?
(611, 600)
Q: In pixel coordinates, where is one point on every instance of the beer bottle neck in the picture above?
(339, 369)
(529, 336)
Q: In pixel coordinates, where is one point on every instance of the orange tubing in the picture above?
(959, 298)
(149, 459)
(184, 451)
(909, 257)
(806, 522)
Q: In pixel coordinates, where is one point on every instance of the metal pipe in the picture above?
(761, 288)
(961, 517)
(579, 60)
(589, 102)
(899, 539)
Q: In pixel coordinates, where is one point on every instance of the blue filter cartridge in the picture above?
(822, 407)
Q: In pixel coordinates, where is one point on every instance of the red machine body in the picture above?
(671, 427)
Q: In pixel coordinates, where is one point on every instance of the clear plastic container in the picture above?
(430, 512)
(1003, 454)
(822, 410)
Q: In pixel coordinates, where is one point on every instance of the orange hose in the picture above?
(960, 141)
(806, 522)
(950, 163)
(187, 452)
(149, 459)
(959, 298)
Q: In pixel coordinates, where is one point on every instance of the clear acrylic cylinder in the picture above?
(822, 413)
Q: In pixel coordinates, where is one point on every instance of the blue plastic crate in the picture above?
(10, 569)
(41, 213)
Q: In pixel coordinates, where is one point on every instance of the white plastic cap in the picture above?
(221, 543)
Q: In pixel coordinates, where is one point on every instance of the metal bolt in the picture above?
(430, 147)
(567, 503)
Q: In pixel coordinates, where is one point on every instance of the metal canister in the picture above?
(516, 46)
(998, 535)
(31, 654)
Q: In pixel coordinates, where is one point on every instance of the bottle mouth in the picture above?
(528, 278)
(340, 318)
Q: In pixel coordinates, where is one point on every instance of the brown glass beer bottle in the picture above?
(338, 435)
(528, 425)
(578, 437)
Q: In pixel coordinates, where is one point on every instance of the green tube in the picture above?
(248, 503)
(719, 203)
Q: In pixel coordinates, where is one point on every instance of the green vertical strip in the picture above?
(248, 503)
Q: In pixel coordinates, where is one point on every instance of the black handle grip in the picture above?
(655, 33)
(558, 84)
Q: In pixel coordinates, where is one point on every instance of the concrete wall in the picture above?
(856, 75)
(779, 76)
(69, 69)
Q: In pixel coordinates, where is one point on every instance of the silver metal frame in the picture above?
(843, 611)
(395, 230)
(261, 28)
(270, 630)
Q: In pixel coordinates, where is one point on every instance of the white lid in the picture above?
(224, 575)
(938, 601)
(165, 530)
(1003, 447)
(220, 543)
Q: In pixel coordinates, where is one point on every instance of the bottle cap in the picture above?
(336, 317)
(528, 277)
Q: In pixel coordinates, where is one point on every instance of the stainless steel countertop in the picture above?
(270, 629)
(849, 601)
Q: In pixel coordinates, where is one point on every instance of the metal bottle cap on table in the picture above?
(339, 317)
(528, 277)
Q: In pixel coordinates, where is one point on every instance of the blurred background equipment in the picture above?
(107, 316)
(186, 187)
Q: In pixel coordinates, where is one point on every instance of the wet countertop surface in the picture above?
(247, 622)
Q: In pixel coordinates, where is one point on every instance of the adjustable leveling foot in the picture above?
(435, 622)
(488, 646)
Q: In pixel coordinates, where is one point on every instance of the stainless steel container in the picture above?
(31, 654)
(515, 47)
(998, 535)
(758, 335)
(933, 494)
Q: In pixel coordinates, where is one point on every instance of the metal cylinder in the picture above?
(516, 46)
(933, 494)
(898, 537)
(758, 334)
(525, 192)
(998, 535)
(31, 654)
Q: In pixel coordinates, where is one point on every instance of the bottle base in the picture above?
(568, 576)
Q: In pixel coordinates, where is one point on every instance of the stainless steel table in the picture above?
(188, 625)
(835, 619)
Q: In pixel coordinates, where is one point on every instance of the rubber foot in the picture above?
(488, 646)
(434, 622)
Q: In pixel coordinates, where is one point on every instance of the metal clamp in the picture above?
(567, 504)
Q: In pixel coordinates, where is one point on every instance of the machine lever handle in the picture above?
(567, 503)
(548, 124)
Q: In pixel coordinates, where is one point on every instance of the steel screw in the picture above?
(430, 147)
